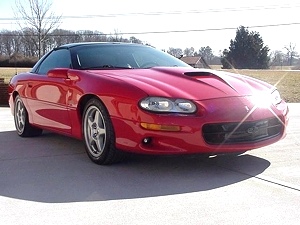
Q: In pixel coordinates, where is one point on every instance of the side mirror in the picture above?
(58, 73)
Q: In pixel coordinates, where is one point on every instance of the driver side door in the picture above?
(47, 96)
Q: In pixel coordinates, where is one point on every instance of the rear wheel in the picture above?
(23, 127)
(98, 134)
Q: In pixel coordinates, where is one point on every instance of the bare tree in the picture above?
(177, 52)
(206, 53)
(36, 14)
(291, 53)
(277, 58)
(6, 42)
(189, 51)
(133, 39)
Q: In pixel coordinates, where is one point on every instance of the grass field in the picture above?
(286, 81)
(8, 73)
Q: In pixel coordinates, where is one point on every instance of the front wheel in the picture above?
(98, 134)
(23, 127)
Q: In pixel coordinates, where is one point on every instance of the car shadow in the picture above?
(55, 169)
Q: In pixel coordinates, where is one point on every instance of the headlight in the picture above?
(265, 99)
(160, 104)
(276, 99)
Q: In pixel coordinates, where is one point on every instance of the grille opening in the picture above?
(230, 133)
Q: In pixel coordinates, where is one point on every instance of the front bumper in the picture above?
(244, 127)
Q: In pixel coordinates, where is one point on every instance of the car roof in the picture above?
(71, 45)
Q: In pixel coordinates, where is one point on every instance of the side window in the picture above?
(57, 59)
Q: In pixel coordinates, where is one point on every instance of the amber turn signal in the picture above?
(152, 126)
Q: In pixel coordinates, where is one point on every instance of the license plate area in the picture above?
(259, 129)
(230, 133)
(248, 131)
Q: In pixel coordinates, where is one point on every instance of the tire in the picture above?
(23, 127)
(98, 134)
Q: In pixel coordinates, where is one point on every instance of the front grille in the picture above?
(230, 133)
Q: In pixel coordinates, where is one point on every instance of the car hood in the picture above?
(189, 83)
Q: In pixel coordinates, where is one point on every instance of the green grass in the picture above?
(286, 81)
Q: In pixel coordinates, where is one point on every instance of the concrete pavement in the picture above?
(50, 180)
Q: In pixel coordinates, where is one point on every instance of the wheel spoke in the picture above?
(99, 137)
(90, 122)
(90, 138)
(99, 145)
(101, 131)
(22, 122)
(96, 118)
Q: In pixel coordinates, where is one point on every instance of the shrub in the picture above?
(17, 61)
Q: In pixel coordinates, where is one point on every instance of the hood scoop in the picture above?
(207, 74)
(198, 74)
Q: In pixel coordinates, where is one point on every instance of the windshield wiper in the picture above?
(106, 67)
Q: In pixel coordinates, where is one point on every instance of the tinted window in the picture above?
(125, 56)
(56, 59)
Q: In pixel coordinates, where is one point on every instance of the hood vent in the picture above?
(198, 74)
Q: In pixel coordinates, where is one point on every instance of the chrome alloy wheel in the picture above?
(20, 116)
(94, 131)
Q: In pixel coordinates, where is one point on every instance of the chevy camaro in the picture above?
(120, 97)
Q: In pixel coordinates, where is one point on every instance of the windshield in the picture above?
(116, 56)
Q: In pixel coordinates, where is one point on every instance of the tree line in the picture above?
(246, 51)
(20, 48)
(22, 45)
(39, 34)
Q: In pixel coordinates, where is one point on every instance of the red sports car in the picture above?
(126, 97)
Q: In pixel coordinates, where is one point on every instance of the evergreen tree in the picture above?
(246, 51)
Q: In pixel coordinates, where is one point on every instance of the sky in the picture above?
(178, 23)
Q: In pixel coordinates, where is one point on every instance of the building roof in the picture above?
(191, 60)
(195, 61)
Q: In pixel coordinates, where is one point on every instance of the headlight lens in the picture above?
(264, 99)
(160, 104)
(276, 98)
